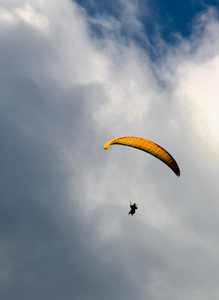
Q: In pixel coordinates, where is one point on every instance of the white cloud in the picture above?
(194, 74)
(25, 13)
(198, 93)
(6, 16)
(29, 15)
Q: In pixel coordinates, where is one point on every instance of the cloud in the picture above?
(65, 91)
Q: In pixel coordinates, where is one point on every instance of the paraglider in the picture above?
(149, 147)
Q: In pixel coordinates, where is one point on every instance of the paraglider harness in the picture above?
(133, 207)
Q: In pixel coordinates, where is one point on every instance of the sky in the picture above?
(74, 75)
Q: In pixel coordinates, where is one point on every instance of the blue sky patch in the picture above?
(166, 17)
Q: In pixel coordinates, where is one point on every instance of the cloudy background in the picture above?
(73, 76)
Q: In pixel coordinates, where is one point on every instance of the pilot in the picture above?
(133, 207)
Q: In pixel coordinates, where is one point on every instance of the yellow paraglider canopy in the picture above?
(149, 147)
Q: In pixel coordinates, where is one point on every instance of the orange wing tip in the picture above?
(177, 172)
(106, 146)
